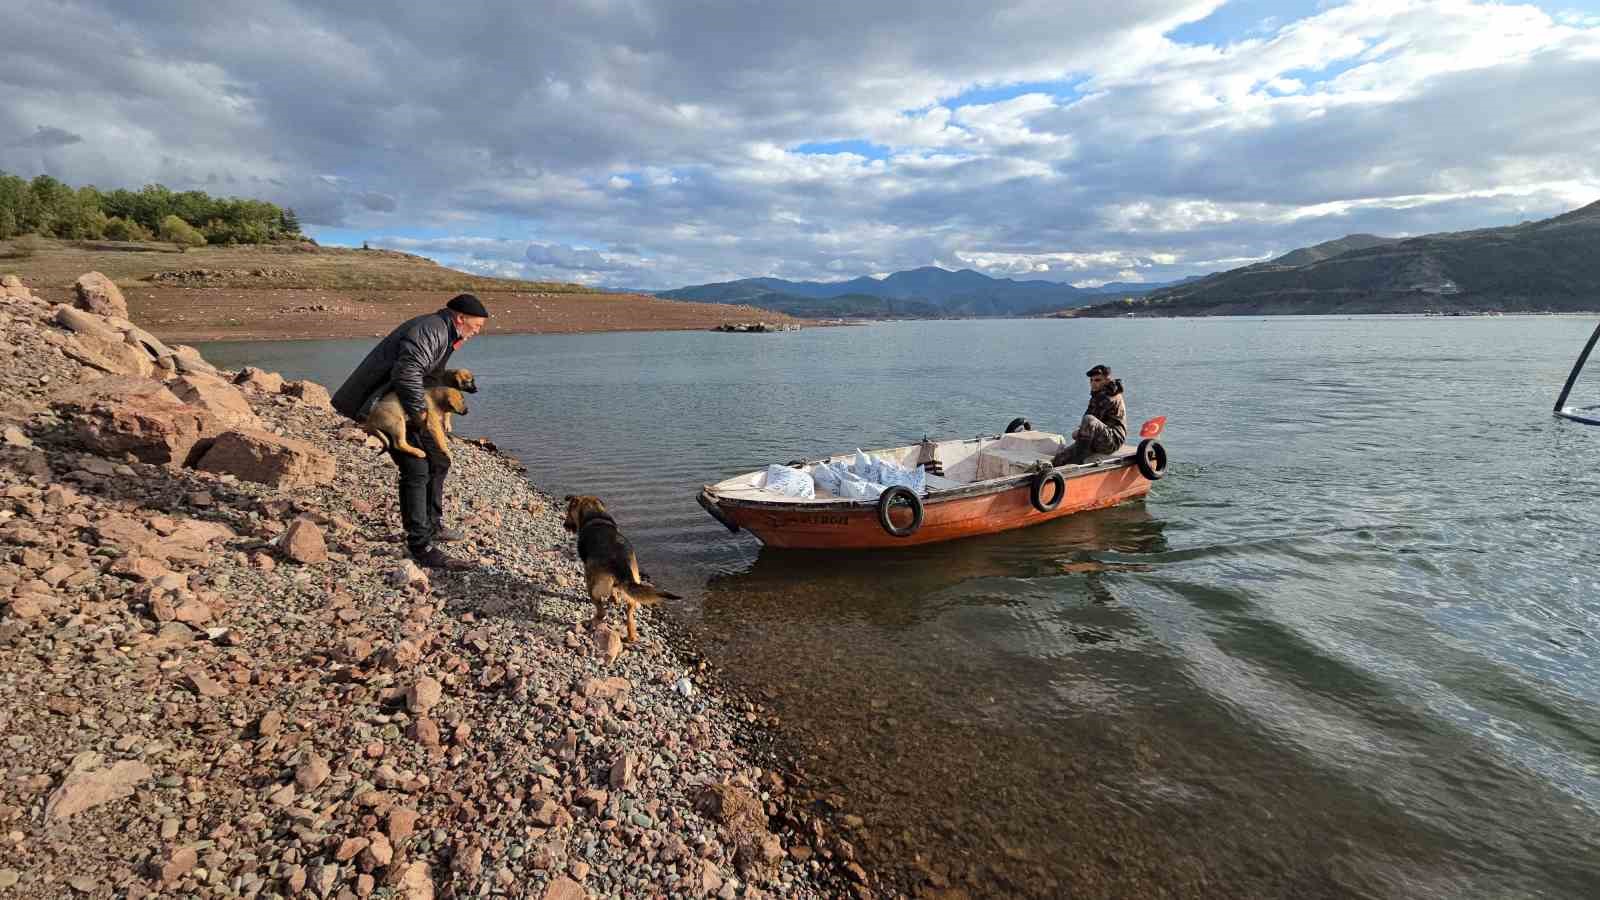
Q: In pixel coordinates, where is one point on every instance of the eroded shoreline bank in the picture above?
(224, 681)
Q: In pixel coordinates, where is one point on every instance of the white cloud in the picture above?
(585, 128)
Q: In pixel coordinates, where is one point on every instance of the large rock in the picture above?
(190, 362)
(253, 379)
(80, 322)
(113, 416)
(303, 542)
(97, 294)
(110, 356)
(147, 342)
(267, 458)
(217, 397)
(87, 788)
(309, 393)
(12, 288)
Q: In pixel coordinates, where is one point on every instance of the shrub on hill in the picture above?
(181, 233)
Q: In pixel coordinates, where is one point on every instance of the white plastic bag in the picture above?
(865, 467)
(790, 482)
(828, 476)
(890, 474)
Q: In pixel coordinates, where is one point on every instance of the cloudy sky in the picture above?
(651, 143)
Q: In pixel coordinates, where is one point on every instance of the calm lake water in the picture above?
(1346, 648)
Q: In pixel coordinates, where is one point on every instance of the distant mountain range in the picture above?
(927, 292)
(1552, 265)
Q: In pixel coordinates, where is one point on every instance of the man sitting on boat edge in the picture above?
(1105, 423)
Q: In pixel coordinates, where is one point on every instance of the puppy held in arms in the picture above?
(608, 562)
(387, 420)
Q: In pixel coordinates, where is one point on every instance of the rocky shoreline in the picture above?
(219, 678)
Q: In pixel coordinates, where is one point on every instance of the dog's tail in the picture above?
(649, 594)
(382, 436)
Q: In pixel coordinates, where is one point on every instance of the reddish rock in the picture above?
(97, 294)
(193, 612)
(424, 695)
(622, 772)
(311, 772)
(565, 889)
(118, 415)
(138, 568)
(205, 685)
(607, 644)
(303, 542)
(268, 459)
(606, 688)
(378, 853)
(425, 731)
(416, 882)
(179, 863)
(83, 790)
(402, 822)
(349, 848)
(310, 393)
(253, 379)
(217, 397)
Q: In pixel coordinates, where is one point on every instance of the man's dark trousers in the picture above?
(421, 489)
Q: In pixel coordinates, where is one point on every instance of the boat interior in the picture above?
(962, 463)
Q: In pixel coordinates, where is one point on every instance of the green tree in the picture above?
(120, 229)
(181, 233)
(8, 223)
(289, 222)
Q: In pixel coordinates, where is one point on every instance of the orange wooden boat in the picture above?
(983, 485)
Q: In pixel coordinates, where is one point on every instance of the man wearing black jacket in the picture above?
(400, 363)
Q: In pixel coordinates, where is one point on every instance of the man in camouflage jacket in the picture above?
(1105, 423)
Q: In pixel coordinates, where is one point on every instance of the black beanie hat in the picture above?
(467, 305)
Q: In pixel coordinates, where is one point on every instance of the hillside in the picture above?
(924, 292)
(1551, 265)
(302, 291)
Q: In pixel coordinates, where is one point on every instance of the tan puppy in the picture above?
(608, 562)
(461, 380)
(387, 421)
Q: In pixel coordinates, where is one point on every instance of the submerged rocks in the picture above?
(258, 456)
(98, 294)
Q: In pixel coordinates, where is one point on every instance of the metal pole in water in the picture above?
(1561, 401)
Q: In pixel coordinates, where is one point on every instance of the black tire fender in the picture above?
(1036, 495)
(1019, 424)
(887, 499)
(1151, 458)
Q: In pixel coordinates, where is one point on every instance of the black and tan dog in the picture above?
(608, 562)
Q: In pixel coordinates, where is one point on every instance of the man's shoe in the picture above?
(434, 558)
(445, 535)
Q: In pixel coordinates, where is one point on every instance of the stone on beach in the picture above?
(98, 294)
(258, 456)
(217, 397)
(85, 789)
(118, 415)
(303, 542)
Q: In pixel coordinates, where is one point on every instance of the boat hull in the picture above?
(948, 516)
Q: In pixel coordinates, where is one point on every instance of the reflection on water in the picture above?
(1346, 648)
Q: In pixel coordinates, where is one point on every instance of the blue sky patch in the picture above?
(859, 148)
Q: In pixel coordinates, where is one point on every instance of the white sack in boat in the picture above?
(790, 482)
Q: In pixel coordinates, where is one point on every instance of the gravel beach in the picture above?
(219, 677)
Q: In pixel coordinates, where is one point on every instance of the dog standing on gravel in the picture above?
(609, 565)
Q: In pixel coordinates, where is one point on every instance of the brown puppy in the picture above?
(387, 421)
(460, 379)
(608, 562)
